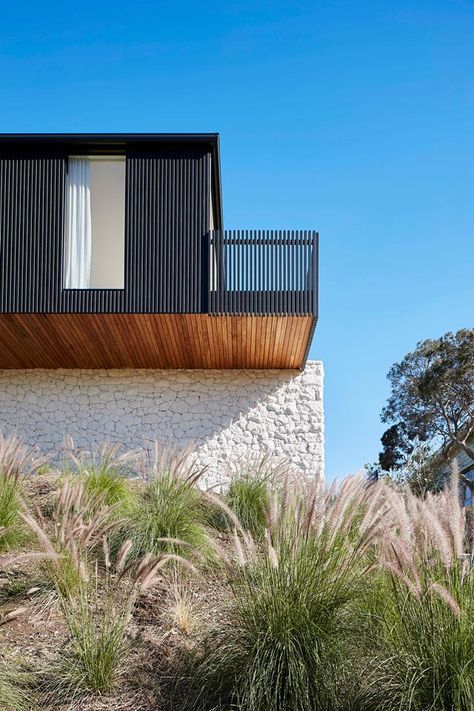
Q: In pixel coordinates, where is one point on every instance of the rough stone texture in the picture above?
(227, 414)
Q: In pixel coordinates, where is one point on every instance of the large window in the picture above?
(95, 223)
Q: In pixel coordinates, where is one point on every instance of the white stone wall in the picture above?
(226, 414)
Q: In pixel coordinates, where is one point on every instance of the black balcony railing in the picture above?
(265, 272)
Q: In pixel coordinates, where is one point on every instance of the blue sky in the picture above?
(355, 119)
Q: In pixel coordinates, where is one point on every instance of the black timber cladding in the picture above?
(167, 204)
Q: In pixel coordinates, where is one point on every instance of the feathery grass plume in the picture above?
(105, 472)
(16, 461)
(183, 612)
(426, 622)
(80, 520)
(249, 490)
(97, 620)
(169, 508)
(291, 636)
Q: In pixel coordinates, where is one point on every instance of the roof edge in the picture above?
(212, 138)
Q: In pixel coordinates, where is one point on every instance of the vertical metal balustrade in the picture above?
(263, 272)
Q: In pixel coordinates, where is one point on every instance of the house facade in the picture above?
(128, 313)
(455, 460)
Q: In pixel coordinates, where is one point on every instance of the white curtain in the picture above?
(78, 225)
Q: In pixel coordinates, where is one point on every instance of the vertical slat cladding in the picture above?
(219, 284)
(235, 269)
(299, 271)
(225, 249)
(221, 258)
(273, 270)
(30, 225)
(294, 265)
(245, 281)
(250, 272)
(290, 267)
(211, 283)
(166, 217)
(231, 263)
(225, 291)
(213, 271)
(280, 271)
(304, 283)
(216, 236)
(315, 289)
(238, 285)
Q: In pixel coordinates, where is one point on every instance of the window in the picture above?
(95, 223)
(467, 490)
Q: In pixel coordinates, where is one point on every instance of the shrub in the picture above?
(168, 515)
(290, 635)
(428, 618)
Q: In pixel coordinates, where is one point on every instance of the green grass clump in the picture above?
(291, 635)
(251, 489)
(286, 642)
(96, 620)
(105, 474)
(110, 486)
(248, 496)
(97, 653)
(427, 612)
(13, 696)
(168, 507)
(431, 649)
(97, 647)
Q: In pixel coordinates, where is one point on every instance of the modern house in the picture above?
(128, 312)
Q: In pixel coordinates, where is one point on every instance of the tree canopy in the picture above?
(432, 398)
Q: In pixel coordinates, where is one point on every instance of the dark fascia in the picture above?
(122, 139)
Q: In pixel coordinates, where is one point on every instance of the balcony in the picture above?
(252, 303)
(263, 272)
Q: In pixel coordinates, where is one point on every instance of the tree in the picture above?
(432, 398)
